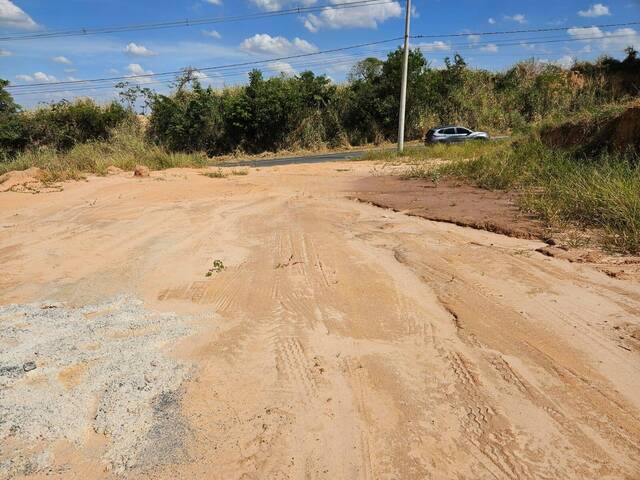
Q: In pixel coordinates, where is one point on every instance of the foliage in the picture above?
(307, 111)
(265, 115)
(7, 105)
(125, 148)
(58, 126)
(594, 192)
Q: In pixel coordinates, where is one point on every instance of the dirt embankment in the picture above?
(619, 133)
(451, 202)
(31, 180)
(494, 211)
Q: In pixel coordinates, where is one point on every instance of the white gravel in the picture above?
(101, 368)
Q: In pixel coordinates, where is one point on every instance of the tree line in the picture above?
(307, 111)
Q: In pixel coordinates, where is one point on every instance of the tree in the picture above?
(7, 105)
(632, 55)
(366, 70)
(130, 94)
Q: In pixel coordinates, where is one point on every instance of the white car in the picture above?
(451, 134)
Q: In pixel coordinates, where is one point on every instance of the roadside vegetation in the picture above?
(307, 111)
(125, 147)
(416, 155)
(563, 186)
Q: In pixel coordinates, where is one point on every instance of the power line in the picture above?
(532, 30)
(335, 61)
(206, 69)
(537, 41)
(53, 87)
(190, 22)
(514, 42)
(284, 12)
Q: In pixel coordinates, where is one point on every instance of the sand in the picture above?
(340, 341)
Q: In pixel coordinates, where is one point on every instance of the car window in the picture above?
(449, 131)
(463, 131)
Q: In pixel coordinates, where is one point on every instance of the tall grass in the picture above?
(601, 192)
(419, 154)
(125, 149)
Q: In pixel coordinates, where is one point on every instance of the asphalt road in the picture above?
(326, 157)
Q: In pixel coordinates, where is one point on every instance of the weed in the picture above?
(216, 174)
(288, 263)
(217, 267)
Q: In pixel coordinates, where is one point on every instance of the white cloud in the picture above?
(597, 10)
(585, 33)
(272, 5)
(613, 42)
(38, 76)
(198, 75)
(214, 2)
(135, 69)
(43, 77)
(69, 70)
(12, 16)
(437, 46)
(265, 44)
(518, 18)
(138, 50)
(5, 53)
(369, 16)
(202, 77)
(566, 61)
(61, 59)
(489, 48)
(492, 21)
(212, 33)
(474, 38)
(281, 67)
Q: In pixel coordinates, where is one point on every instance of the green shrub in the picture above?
(125, 148)
(58, 126)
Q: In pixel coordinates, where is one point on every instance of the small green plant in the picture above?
(239, 172)
(217, 267)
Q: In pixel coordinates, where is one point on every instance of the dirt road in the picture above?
(340, 341)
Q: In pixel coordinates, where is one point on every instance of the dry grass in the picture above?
(125, 149)
(601, 192)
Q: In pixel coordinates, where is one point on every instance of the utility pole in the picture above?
(403, 89)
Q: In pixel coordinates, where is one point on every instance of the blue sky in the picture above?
(133, 53)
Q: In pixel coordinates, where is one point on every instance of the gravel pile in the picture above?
(100, 368)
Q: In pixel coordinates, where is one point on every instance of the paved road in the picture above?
(310, 159)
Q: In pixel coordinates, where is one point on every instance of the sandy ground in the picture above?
(454, 202)
(340, 341)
